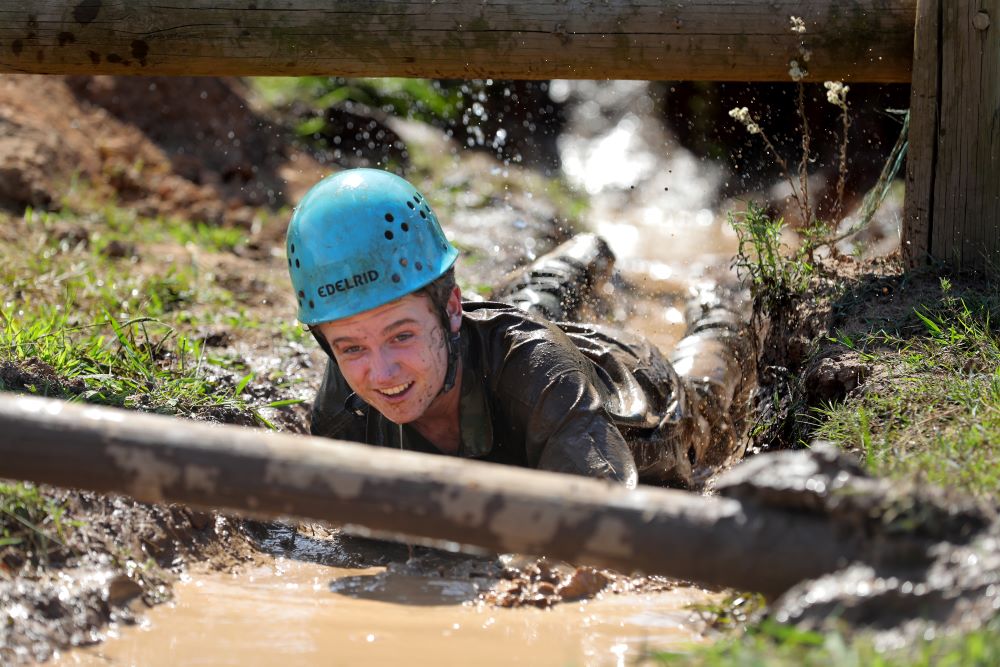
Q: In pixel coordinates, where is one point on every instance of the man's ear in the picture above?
(454, 309)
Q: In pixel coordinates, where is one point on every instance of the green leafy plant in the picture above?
(818, 233)
(773, 269)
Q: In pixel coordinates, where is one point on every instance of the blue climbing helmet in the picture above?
(360, 239)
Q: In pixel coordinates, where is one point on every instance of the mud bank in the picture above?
(930, 567)
(112, 561)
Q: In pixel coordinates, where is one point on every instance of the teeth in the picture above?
(392, 391)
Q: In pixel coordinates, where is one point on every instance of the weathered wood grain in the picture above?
(746, 40)
(921, 158)
(966, 183)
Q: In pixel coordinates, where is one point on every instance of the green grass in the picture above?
(137, 363)
(101, 305)
(418, 99)
(31, 524)
(120, 328)
(773, 270)
(770, 644)
(929, 411)
(933, 411)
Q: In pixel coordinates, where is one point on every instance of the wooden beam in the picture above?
(953, 180)
(920, 160)
(712, 540)
(722, 40)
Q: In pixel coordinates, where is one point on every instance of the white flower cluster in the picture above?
(742, 115)
(836, 93)
(796, 71)
(798, 25)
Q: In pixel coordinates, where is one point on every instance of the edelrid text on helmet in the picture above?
(360, 239)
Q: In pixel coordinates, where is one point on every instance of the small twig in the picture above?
(842, 166)
(877, 194)
(804, 162)
(784, 167)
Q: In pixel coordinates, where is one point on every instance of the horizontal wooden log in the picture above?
(720, 40)
(153, 458)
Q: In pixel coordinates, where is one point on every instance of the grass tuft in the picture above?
(933, 409)
(771, 644)
(31, 525)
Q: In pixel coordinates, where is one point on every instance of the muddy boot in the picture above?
(560, 282)
(715, 363)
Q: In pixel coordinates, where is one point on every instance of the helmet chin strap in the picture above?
(454, 343)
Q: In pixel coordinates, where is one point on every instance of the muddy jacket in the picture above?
(562, 397)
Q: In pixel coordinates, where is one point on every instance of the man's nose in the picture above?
(383, 366)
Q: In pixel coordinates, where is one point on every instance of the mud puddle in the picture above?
(297, 613)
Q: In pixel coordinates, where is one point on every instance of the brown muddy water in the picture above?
(293, 613)
(653, 202)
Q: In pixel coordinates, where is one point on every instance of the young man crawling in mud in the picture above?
(414, 367)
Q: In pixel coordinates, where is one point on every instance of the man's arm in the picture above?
(569, 431)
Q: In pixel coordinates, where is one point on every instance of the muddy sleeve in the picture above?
(567, 430)
(330, 418)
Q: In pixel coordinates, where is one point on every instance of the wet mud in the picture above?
(112, 561)
(928, 560)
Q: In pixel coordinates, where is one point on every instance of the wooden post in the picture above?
(717, 541)
(953, 173)
(709, 40)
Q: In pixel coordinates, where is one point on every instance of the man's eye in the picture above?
(406, 335)
(351, 349)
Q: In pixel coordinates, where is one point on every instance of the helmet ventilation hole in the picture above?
(423, 215)
(388, 235)
(403, 261)
(302, 294)
(420, 266)
(405, 227)
(410, 204)
(395, 278)
(311, 304)
(388, 217)
(293, 249)
(297, 265)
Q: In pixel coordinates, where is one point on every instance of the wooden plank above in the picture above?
(721, 40)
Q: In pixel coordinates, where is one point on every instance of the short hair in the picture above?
(439, 291)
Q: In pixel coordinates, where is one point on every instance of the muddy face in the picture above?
(394, 357)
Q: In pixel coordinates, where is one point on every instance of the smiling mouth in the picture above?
(395, 391)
